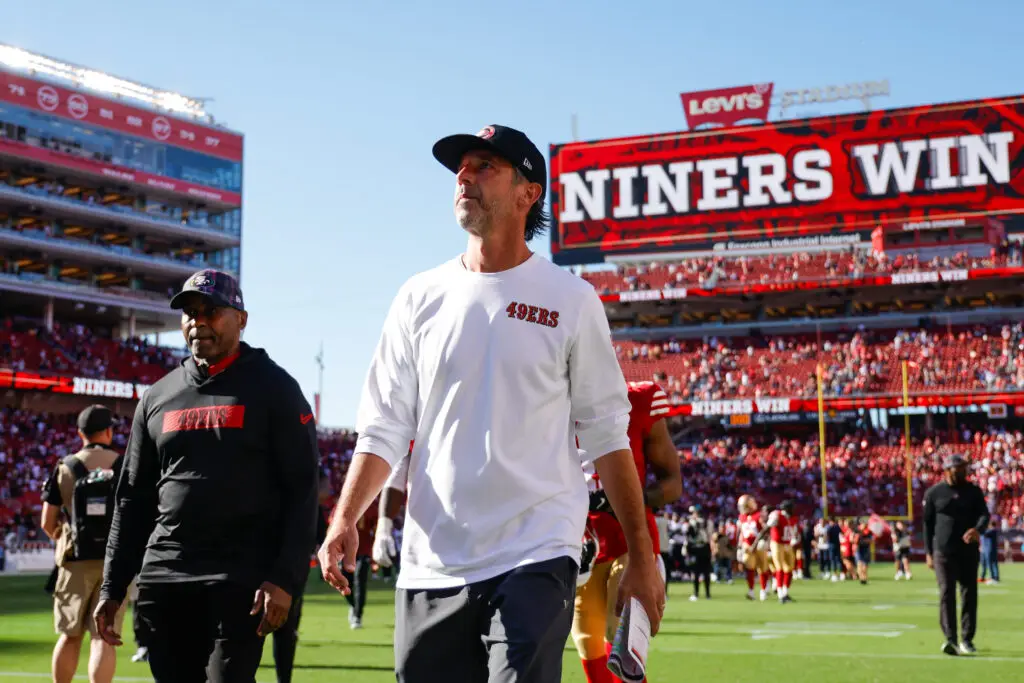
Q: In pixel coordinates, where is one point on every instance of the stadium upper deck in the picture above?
(111, 193)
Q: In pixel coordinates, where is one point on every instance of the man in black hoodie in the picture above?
(216, 505)
(955, 517)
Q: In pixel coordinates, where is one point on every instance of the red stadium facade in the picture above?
(93, 109)
(791, 180)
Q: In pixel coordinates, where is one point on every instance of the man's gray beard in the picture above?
(475, 224)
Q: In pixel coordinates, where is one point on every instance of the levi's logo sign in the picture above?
(713, 105)
(727, 106)
(213, 417)
(532, 314)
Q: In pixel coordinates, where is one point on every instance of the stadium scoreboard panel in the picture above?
(816, 180)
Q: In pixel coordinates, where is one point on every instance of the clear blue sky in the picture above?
(340, 102)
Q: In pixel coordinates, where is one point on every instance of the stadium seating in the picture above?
(868, 362)
(749, 270)
(79, 351)
(31, 444)
(862, 477)
(866, 472)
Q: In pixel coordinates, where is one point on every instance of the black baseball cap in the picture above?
(953, 461)
(216, 285)
(95, 419)
(510, 144)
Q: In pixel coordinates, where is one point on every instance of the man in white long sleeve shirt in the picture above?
(494, 363)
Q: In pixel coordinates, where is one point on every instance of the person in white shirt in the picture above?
(494, 363)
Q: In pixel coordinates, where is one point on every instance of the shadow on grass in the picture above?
(336, 667)
(347, 643)
(27, 648)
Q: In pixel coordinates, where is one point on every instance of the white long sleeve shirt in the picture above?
(494, 375)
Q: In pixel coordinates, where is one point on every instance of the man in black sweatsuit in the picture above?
(216, 505)
(955, 516)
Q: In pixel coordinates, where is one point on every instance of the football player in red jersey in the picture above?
(755, 559)
(846, 545)
(594, 621)
(784, 530)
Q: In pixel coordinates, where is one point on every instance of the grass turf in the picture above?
(835, 632)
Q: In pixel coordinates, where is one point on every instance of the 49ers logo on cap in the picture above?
(487, 133)
(201, 281)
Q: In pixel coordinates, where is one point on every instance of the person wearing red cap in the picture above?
(494, 363)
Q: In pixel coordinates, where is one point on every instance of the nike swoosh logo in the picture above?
(306, 418)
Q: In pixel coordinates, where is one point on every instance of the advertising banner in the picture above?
(727, 106)
(76, 386)
(108, 113)
(836, 282)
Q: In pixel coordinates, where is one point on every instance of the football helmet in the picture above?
(746, 504)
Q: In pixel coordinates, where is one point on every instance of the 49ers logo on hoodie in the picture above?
(212, 417)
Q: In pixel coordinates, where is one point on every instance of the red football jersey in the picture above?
(648, 404)
(786, 529)
(750, 527)
(846, 543)
(795, 532)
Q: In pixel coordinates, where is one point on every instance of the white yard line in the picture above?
(855, 655)
(36, 674)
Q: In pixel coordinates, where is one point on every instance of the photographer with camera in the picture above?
(77, 510)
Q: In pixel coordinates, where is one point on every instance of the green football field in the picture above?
(833, 632)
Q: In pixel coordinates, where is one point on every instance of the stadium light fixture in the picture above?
(22, 60)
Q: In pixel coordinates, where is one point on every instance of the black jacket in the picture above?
(219, 481)
(949, 511)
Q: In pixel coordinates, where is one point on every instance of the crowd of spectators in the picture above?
(725, 271)
(31, 444)
(867, 469)
(976, 358)
(78, 350)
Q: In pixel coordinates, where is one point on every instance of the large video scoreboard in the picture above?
(786, 183)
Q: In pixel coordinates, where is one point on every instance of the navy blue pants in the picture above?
(509, 628)
(836, 557)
